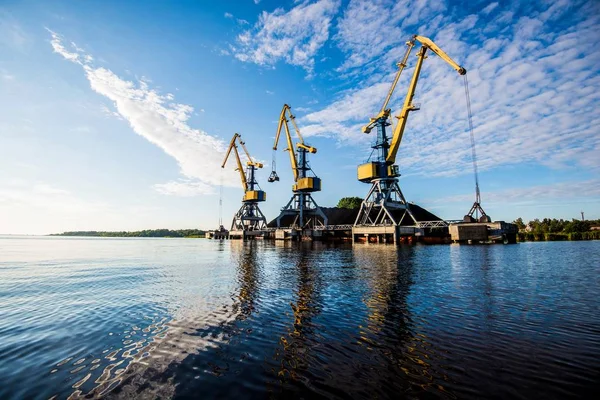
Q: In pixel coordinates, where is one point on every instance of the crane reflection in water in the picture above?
(303, 319)
(248, 275)
(294, 352)
(366, 333)
(398, 357)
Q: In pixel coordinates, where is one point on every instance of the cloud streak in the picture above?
(368, 29)
(161, 121)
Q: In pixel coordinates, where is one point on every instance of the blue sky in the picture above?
(115, 115)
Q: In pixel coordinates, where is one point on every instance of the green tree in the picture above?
(144, 233)
(577, 226)
(349, 202)
(519, 223)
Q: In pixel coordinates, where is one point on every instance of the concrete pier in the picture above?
(239, 234)
(391, 234)
(431, 231)
(484, 232)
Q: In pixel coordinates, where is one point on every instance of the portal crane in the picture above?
(306, 212)
(385, 204)
(249, 217)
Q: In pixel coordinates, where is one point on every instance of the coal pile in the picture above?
(346, 216)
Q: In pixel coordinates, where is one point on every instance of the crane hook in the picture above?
(273, 177)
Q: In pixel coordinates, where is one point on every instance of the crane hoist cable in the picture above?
(473, 153)
(427, 44)
(385, 165)
(221, 200)
(476, 208)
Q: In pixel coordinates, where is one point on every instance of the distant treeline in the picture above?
(180, 233)
(557, 229)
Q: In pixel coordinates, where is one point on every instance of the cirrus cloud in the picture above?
(532, 86)
(294, 36)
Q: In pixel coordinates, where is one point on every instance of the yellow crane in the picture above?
(249, 217)
(385, 196)
(384, 113)
(302, 206)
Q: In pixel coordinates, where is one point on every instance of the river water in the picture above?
(184, 318)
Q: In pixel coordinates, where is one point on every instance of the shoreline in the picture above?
(557, 237)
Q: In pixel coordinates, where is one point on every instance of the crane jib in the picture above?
(298, 159)
(251, 191)
(387, 150)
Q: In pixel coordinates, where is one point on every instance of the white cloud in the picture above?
(489, 8)
(58, 47)
(533, 93)
(242, 21)
(370, 28)
(256, 1)
(161, 121)
(184, 188)
(46, 189)
(540, 193)
(6, 75)
(302, 109)
(110, 113)
(294, 36)
(269, 92)
(344, 118)
(238, 20)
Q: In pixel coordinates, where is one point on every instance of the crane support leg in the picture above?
(305, 211)
(384, 205)
(249, 218)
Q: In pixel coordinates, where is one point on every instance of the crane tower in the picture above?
(385, 204)
(304, 210)
(249, 219)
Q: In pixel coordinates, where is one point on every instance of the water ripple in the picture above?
(86, 318)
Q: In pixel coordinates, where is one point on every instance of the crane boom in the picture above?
(385, 112)
(290, 145)
(425, 41)
(283, 122)
(408, 105)
(250, 161)
(240, 168)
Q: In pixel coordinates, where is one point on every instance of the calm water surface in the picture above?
(91, 317)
